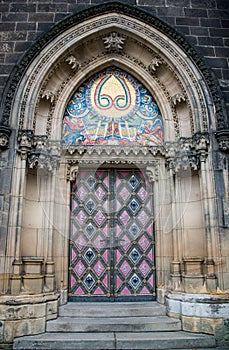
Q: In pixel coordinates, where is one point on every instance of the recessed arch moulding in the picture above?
(187, 108)
(120, 41)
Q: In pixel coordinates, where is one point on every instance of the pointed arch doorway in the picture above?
(112, 243)
(112, 247)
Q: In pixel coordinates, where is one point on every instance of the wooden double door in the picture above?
(112, 245)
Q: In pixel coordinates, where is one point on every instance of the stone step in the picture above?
(115, 341)
(114, 324)
(112, 309)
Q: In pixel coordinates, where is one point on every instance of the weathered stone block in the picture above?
(33, 283)
(18, 312)
(222, 334)
(13, 329)
(51, 310)
(32, 265)
(200, 325)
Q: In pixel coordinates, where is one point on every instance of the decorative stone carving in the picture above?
(114, 41)
(73, 171)
(4, 137)
(152, 171)
(154, 64)
(178, 98)
(222, 137)
(38, 151)
(25, 138)
(48, 95)
(187, 152)
(106, 8)
(72, 61)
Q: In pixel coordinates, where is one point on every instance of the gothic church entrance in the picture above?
(112, 255)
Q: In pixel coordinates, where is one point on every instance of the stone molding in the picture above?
(46, 154)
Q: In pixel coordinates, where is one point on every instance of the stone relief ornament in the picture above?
(222, 137)
(72, 61)
(114, 41)
(178, 98)
(4, 137)
(4, 141)
(48, 95)
(25, 139)
(154, 64)
(187, 152)
(38, 151)
(152, 171)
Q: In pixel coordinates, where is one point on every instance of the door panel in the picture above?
(90, 254)
(112, 238)
(134, 268)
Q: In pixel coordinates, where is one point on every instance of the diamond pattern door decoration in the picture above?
(112, 238)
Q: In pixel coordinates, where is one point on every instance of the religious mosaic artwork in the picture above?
(112, 108)
(112, 238)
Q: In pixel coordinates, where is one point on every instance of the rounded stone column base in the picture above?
(201, 313)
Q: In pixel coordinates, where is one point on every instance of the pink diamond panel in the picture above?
(125, 268)
(143, 242)
(142, 193)
(79, 268)
(99, 218)
(144, 268)
(100, 193)
(81, 217)
(99, 268)
(124, 193)
(125, 218)
(143, 217)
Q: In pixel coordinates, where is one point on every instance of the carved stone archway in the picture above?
(124, 37)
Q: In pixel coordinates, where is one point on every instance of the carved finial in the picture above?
(114, 41)
(154, 64)
(49, 95)
(178, 98)
(72, 61)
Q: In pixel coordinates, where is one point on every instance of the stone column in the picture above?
(15, 225)
(175, 267)
(209, 214)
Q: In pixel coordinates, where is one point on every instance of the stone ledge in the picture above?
(28, 298)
